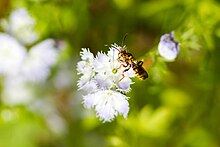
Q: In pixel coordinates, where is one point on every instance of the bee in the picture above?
(128, 61)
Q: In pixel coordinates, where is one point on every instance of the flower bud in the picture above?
(168, 46)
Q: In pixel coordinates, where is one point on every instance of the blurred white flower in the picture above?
(39, 60)
(63, 78)
(168, 46)
(57, 124)
(107, 103)
(102, 84)
(46, 107)
(12, 55)
(21, 26)
(16, 92)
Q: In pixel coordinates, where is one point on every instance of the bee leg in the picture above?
(123, 75)
(122, 64)
(118, 67)
(120, 60)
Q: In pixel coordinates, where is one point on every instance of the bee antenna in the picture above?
(122, 44)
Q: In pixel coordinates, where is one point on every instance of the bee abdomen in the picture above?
(143, 76)
(140, 73)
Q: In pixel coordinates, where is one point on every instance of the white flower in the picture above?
(168, 46)
(40, 58)
(21, 26)
(12, 55)
(102, 79)
(107, 104)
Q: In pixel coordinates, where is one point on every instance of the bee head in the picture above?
(129, 55)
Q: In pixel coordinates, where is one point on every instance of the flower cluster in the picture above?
(103, 85)
(15, 60)
(34, 65)
(168, 46)
(21, 62)
(25, 64)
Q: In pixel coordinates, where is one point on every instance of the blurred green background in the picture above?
(178, 106)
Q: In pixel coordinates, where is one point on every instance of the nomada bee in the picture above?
(128, 61)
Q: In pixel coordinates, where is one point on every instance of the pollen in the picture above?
(114, 70)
